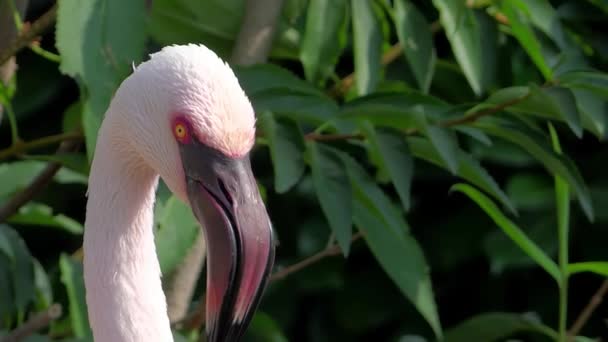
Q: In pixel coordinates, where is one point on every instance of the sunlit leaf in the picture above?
(74, 161)
(511, 229)
(367, 35)
(72, 279)
(555, 103)
(333, 191)
(417, 41)
(98, 53)
(19, 174)
(495, 326)
(44, 291)
(306, 107)
(286, 150)
(471, 41)
(599, 267)
(177, 232)
(395, 250)
(261, 77)
(516, 11)
(324, 37)
(39, 214)
(394, 158)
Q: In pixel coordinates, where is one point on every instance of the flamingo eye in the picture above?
(180, 130)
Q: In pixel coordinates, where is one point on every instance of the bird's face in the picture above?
(195, 127)
(224, 197)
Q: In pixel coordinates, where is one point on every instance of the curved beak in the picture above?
(226, 201)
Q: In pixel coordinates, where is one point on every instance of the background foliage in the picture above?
(453, 150)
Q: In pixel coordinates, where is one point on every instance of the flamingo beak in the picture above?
(225, 199)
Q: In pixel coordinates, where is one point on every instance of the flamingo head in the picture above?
(196, 127)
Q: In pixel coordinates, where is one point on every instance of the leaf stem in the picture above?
(16, 16)
(10, 113)
(26, 36)
(562, 200)
(53, 57)
(44, 141)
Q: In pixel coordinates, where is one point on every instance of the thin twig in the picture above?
(331, 250)
(484, 112)
(584, 316)
(40, 182)
(35, 323)
(333, 137)
(42, 142)
(26, 36)
(389, 56)
(196, 318)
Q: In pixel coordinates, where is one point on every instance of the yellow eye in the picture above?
(180, 131)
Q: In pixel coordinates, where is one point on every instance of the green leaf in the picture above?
(598, 267)
(72, 279)
(367, 36)
(471, 41)
(593, 110)
(286, 145)
(73, 161)
(177, 232)
(324, 38)
(495, 326)
(39, 214)
(596, 82)
(511, 229)
(537, 145)
(44, 291)
(261, 77)
(22, 269)
(394, 159)
(398, 253)
(306, 107)
(17, 175)
(72, 117)
(530, 191)
(503, 254)
(468, 168)
(5, 246)
(215, 23)
(393, 110)
(555, 103)
(417, 41)
(521, 30)
(264, 328)
(98, 51)
(333, 191)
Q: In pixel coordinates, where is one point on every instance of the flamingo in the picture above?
(183, 117)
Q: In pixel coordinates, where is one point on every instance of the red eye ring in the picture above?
(181, 130)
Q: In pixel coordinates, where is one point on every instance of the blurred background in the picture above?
(408, 153)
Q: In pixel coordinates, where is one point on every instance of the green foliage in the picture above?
(368, 113)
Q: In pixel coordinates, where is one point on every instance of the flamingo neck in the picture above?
(124, 295)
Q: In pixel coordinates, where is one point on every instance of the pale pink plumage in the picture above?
(135, 145)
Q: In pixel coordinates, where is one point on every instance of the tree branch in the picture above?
(42, 142)
(29, 34)
(39, 183)
(584, 316)
(257, 32)
(389, 56)
(331, 250)
(35, 323)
